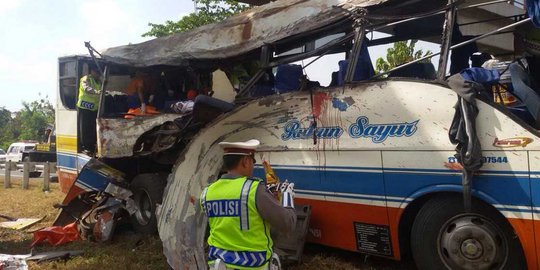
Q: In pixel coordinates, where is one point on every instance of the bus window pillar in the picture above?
(448, 30)
(359, 35)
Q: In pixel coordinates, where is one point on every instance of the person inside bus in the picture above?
(164, 94)
(87, 106)
(460, 57)
(136, 90)
(523, 71)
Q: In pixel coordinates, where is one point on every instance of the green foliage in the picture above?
(401, 53)
(34, 117)
(27, 124)
(208, 11)
(5, 117)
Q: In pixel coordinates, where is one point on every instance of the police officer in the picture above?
(241, 212)
(87, 105)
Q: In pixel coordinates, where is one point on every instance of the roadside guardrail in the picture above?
(46, 168)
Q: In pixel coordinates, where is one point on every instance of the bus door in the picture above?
(71, 69)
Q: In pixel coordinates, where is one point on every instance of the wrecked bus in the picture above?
(370, 153)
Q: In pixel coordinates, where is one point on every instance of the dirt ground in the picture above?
(129, 250)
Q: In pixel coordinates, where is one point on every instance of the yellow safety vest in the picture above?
(238, 234)
(88, 101)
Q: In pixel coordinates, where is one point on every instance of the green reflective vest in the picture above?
(238, 234)
(88, 101)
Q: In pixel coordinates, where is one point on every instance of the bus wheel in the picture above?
(147, 193)
(443, 236)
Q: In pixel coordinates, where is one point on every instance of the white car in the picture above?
(16, 150)
(2, 155)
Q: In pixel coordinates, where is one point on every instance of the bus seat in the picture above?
(115, 104)
(425, 71)
(364, 67)
(288, 78)
(265, 86)
(363, 71)
(207, 108)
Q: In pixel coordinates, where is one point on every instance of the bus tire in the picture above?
(147, 193)
(443, 236)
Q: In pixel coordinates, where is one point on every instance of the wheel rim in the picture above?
(472, 242)
(144, 213)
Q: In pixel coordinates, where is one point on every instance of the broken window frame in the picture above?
(357, 36)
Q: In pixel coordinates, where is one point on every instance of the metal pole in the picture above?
(46, 176)
(448, 31)
(7, 175)
(490, 33)
(437, 13)
(515, 17)
(26, 174)
(457, 46)
(359, 36)
(102, 93)
(323, 49)
(486, 4)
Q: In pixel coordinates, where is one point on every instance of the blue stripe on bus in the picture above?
(92, 179)
(386, 170)
(70, 161)
(66, 161)
(503, 189)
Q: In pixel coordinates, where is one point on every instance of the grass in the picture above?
(128, 250)
(320, 257)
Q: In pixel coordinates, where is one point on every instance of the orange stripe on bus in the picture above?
(66, 180)
(331, 224)
(525, 232)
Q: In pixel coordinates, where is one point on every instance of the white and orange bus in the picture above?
(369, 153)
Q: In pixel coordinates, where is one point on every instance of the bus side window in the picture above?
(68, 84)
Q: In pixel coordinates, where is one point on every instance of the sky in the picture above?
(35, 33)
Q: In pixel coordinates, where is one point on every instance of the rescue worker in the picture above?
(87, 106)
(241, 211)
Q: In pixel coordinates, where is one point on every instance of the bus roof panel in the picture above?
(239, 34)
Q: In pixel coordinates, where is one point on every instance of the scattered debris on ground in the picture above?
(18, 223)
(13, 262)
(54, 255)
(56, 235)
(126, 249)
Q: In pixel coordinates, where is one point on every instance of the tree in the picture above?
(34, 118)
(401, 53)
(5, 116)
(5, 123)
(27, 124)
(207, 11)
